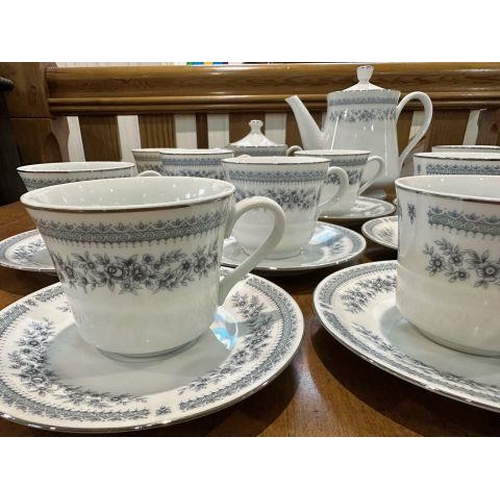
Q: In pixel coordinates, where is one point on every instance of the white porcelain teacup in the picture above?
(50, 174)
(147, 159)
(295, 183)
(456, 163)
(449, 259)
(194, 162)
(354, 162)
(139, 258)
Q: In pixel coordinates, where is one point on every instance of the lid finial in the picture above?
(364, 73)
(256, 125)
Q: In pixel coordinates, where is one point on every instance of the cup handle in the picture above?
(292, 150)
(368, 182)
(149, 173)
(330, 192)
(254, 258)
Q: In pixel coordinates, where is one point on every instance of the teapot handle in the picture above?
(426, 101)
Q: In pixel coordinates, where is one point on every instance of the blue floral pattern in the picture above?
(29, 363)
(288, 199)
(140, 232)
(412, 212)
(357, 298)
(369, 339)
(36, 183)
(354, 177)
(260, 322)
(461, 169)
(461, 221)
(362, 115)
(168, 271)
(194, 167)
(311, 175)
(459, 264)
(33, 391)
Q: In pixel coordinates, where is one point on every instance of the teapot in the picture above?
(363, 116)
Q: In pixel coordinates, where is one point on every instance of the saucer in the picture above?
(365, 208)
(383, 231)
(26, 252)
(51, 378)
(357, 306)
(330, 246)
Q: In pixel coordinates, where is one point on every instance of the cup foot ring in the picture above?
(148, 357)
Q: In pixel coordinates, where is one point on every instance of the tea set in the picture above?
(153, 259)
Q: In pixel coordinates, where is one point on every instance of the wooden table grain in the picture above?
(325, 391)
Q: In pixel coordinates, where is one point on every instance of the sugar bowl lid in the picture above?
(255, 137)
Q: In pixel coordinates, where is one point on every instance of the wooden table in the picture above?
(325, 391)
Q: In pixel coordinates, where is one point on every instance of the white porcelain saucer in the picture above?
(330, 246)
(357, 306)
(364, 209)
(383, 230)
(50, 378)
(26, 252)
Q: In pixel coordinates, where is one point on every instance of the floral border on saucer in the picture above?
(385, 234)
(333, 254)
(350, 303)
(23, 262)
(34, 394)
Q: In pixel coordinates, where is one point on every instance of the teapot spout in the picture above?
(310, 133)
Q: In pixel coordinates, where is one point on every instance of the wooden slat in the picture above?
(41, 140)
(238, 124)
(157, 131)
(101, 141)
(11, 186)
(489, 127)
(201, 130)
(153, 89)
(447, 127)
(292, 130)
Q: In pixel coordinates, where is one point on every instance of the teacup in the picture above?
(449, 259)
(456, 163)
(50, 174)
(465, 148)
(147, 159)
(194, 162)
(139, 258)
(354, 163)
(295, 183)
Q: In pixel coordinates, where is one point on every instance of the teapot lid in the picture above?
(364, 73)
(255, 137)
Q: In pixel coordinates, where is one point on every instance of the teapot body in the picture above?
(366, 120)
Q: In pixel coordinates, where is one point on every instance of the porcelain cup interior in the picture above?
(194, 162)
(355, 163)
(456, 163)
(50, 174)
(449, 259)
(295, 183)
(139, 258)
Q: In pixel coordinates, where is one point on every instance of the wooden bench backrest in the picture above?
(217, 102)
(100, 113)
